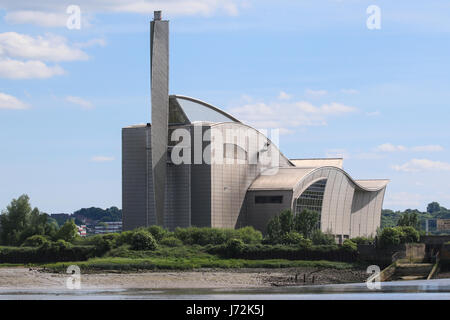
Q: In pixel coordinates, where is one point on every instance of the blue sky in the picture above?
(313, 68)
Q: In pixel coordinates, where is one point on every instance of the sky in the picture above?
(318, 70)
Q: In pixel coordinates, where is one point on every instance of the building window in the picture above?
(311, 198)
(268, 199)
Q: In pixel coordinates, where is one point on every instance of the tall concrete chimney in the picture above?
(159, 49)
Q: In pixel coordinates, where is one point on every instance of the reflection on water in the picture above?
(399, 290)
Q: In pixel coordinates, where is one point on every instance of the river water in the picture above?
(438, 289)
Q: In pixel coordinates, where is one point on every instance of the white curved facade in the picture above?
(235, 189)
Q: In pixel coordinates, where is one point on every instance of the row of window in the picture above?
(268, 199)
(311, 198)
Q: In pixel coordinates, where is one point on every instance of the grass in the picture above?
(181, 258)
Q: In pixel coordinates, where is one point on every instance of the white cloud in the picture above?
(288, 114)
(39, 18)
(316, 93)
(417, 165)
(23, 56)
(388, 147)
(80, 102)
(52, 13)
(14, 69)
(49, 48)
(10, 102)
(102, 159)
(284, 96)
(349, 91)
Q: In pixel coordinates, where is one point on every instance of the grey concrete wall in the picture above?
(201, 185)
(137, 185)
(178, 197)
(258, 215)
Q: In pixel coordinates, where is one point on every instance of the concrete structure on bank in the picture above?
(231, 175)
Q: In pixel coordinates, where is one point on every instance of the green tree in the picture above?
(306, 222)
(409, 234)
(409, 219)
(390, 236)
(286, 221)
(19, 221)
(274, 232)
(320, 238)
(68, 232)
(433, 207)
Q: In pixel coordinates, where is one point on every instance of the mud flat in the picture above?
(35, 278)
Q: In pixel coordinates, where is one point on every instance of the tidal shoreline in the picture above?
(36, 278)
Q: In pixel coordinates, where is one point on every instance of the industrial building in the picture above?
(196, 165)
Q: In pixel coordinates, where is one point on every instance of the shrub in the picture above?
(171, 242)
(320, 238)
(142, 240)
(248, 235)
(409, 234)
(104, 243)
(215, 236)
(158, 232)
(124, 238)
(35, 241)
(289, 252)
(349, 245)
(111, 236)
(295, 238)
(390, 236)
(362, 240)
(234, 247)
(398, 235)
(48, 252)
(61, 245)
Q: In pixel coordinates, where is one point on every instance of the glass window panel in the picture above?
(311, 198)
(199, 112)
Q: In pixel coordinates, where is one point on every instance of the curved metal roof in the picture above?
(318, 162)
(290, 178)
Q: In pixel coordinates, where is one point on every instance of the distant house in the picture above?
(82, 230)
(108, 227)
